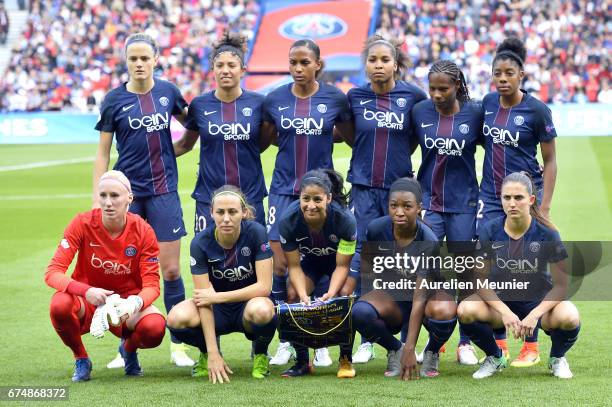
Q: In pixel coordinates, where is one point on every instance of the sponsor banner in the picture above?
(338, 27)
(582, 120)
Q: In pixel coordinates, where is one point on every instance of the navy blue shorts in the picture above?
(229, 317)
(489, 209)
(163, 213)
(368, 204)
(277, 204)
(456, 227)
(203, 218)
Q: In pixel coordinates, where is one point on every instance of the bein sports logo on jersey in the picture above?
(231, 274)
(316, 26)
(316, 251)
(501, 136)
(230, 131)
(517, 266)
(388, 120)
(152, 122)
(110, 267)
(445, 146)
(307, 126)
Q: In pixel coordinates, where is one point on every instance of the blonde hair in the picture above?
(119, 177)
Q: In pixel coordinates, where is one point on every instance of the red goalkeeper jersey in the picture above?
(127, 264)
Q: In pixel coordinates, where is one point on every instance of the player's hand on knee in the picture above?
(409, 366)
(99, 322)
(218, 370)
(204, 297)
(97, 296)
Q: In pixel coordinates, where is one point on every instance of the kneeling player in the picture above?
(318, 236)
(117, 254)
(523, 243)
(231, 263)
(378, 315)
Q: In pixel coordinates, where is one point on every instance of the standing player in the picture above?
(232, 275)
(117, 254)
(514, 124)
(522, 246)
(138, 113)
(448, 128)
(317, 234)
(381, 142)
(378, 315)
(303, 114)
(228, 122)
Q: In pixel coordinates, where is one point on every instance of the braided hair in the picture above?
(451, 69)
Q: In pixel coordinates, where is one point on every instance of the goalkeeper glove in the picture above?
(128, 306)
(99, 322)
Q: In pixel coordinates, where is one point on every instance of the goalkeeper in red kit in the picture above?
(116, 277)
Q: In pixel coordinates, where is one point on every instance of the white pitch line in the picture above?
(40, 164)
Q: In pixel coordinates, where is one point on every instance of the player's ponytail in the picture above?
(525, 179)
(312, 46)
(330, 181)
(400, 57)
(233, 190)
(452, 69)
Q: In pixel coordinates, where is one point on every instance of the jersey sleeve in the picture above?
(348, 231)
(179, 101)
(55, 276)
(192, 113)
(544, 127)
(349, 98)
(106, 123)
(419, 94)
(198, 258)
(262, 248)
(556, 251)
(344, 112)
(287, 235)
(149, 267)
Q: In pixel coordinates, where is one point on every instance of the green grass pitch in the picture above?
(37, 203)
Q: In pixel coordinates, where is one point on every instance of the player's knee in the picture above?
(262, 313)
(363, 314)
(441, 310)
(61, 304)
(569, 318)
(152, 327)
(171, 272)
(466, 312)
(178, 318)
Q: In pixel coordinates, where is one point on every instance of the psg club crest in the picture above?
(321, 108)
(130, 251)
(315, 26)
(464, 128)
(518, 120)
(247, 111)
(163, 101)
(401, 102)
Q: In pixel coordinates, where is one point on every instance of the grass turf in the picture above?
(36, 204)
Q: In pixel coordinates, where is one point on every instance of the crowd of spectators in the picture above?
(568, 42)
(71, 52)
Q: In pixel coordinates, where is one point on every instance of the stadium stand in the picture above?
(70, 53)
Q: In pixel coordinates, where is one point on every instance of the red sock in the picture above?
(148, 333)
(64, 310)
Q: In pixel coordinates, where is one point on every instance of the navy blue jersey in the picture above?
(305, 129)
(525, 259)
(231, 269)
(511, 140)
(141, 123)
(448, 143)
(229, 144)
(317, 249)
(425, 241)
(381, 152)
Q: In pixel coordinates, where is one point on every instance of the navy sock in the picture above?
(499, 333)
(301, 353)
(174, 292)
(190, 336)
(346, 350)
(279, 288)
(367, 321)
(464, 338)
(482, 335)
(562, 341)
(439, 332)
(263, 336)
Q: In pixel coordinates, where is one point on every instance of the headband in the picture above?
(148, 41)
(230, 193)
(231, 49)
(510, 54)
(110, 176)
(319, 181)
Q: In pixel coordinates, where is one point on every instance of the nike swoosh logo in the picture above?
(488, 113)
(126, 108)
(300, 239)
(94, 245)
(494, 247)
(176, 230)
(213, 260)
(207, 113)
(383, 249)
(363, 102)
(423, 125)
(281, 108)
